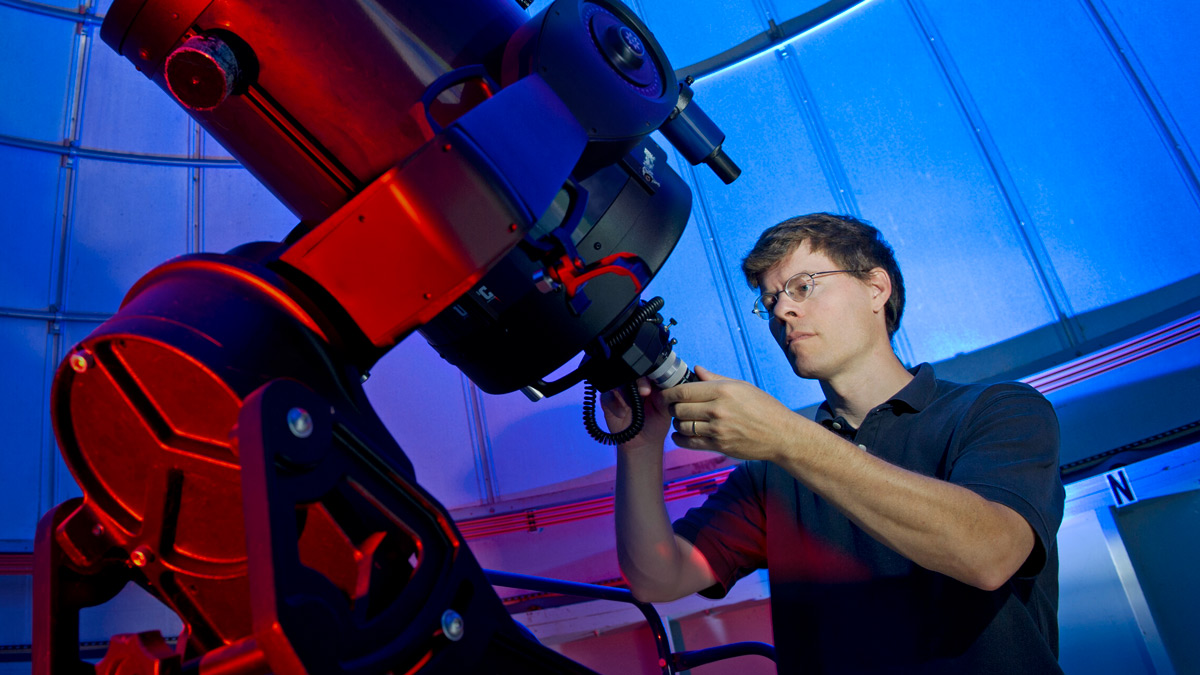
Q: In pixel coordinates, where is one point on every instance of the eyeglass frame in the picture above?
(765, 313)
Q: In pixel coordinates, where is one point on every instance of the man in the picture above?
(910, 528)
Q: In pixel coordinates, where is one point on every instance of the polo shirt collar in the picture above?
(916, 395)
(920, 391)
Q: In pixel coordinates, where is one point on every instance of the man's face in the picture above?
(835, 328)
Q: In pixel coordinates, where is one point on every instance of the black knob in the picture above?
(202, 72)
(624, 48)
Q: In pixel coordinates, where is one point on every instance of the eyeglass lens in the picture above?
(798, 287)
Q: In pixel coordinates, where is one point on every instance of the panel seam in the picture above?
(1043, 267)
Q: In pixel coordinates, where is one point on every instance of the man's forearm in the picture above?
(645, 541)
(940, 526)
(657, 564)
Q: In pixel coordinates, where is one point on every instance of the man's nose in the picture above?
(785, 306)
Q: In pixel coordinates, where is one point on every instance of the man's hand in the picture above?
(732, 417)
(618, 415)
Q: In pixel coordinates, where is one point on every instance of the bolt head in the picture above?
(141, 556)
(300, 422)
(452, 625)
(81, 360)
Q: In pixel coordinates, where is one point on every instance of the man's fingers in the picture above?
(705, 374)
(683, 440)
(645, 387)
(695, 391)
(688, 392)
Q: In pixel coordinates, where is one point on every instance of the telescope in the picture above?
(456, 168)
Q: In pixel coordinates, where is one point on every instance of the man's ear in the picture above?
(881, 288)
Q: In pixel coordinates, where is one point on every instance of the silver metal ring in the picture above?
(693, 427)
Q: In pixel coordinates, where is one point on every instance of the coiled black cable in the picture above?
(640, 316)
(589, 415)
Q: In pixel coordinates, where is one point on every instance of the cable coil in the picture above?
(640, 316)
(607, 438)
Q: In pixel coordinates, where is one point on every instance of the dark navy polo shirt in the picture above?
(843, 602)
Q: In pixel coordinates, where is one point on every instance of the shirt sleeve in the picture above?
(1009, 455)
(729, 528)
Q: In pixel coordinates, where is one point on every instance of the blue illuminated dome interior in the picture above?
(1033, 164)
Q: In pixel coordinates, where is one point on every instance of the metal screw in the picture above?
(300, 422)
(81, 360)
(141, 556)
(452, 625)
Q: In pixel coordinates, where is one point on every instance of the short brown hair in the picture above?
(851, 243)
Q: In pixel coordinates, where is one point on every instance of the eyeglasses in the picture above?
(798, 288)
